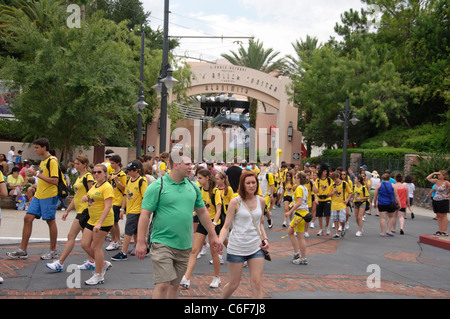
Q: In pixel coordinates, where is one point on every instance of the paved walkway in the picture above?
(343, 268)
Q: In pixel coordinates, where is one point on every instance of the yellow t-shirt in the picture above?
(14, 181)
(309, 187)
(226, 198)
(46, 190)
(337, 200)
(2, 179)
(80, 191)
(118, 194)
(135, 194)
(265, 181)
(324, 187)
(96, 204)
(360, 192)
(289, 189)
(208, 202)
(301, 192)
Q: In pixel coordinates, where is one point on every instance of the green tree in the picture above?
(77, 84)
(258, 58)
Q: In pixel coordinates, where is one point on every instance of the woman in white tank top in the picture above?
(244, 242)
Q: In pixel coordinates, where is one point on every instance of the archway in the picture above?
(242, 81)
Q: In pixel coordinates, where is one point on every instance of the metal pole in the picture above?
(346, 116)
(165, 62)
(141, 98)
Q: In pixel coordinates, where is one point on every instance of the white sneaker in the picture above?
(347, 225)
(320, 233)
(358, 234)
(306, 234)
(203, 251)
(52, 254)
(87, 265)
(311, 225)
(1, 280)
(221, 260)
(215, 283)
(328, 231)
(95, 280)
(185, 283)
(106, 266)
(112, 246)
(55, 266)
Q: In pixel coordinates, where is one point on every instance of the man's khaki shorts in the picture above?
(169, 264)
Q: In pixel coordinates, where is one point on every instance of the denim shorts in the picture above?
(45, 208)
(240, 259)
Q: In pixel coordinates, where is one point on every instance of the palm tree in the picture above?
(258, 58)
(295, 66)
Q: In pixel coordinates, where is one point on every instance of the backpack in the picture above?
(63, 189)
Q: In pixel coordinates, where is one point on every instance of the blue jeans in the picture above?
(240, 259)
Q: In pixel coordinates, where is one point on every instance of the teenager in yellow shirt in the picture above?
(297, 225)
(118, 181)
(43, 204)
(132, 205)
(81, 187)
(101, 220)
(340, 196)
(288, 188)
(213, 202)
(323, 198)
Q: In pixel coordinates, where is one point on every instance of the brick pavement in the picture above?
(281, 278)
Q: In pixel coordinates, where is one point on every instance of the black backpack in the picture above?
(63, 188)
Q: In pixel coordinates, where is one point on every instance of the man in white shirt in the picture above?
(10, 158)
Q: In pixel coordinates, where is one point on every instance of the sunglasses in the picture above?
(97, 172)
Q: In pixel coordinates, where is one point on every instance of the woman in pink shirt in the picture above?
(403, 194)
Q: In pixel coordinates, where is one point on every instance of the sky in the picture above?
(276, 23)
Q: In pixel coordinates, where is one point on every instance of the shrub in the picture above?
(427, 165)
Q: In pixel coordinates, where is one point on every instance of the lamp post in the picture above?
(140, 105)
(347, 112)
(166, 80)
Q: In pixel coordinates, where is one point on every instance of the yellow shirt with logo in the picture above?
(135, 194)
(118, 194)
(46, 190)
(208, 202)
(226, 198)
(96, 204)
(80, 191)
(324, 187)
(338, 198)
(289, 189)
(360, 192)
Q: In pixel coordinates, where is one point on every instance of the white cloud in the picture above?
(276, 23)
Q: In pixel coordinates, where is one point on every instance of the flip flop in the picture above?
(390, 235)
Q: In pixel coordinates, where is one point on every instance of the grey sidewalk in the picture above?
(336, 268)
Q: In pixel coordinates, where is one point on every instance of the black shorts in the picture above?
(83, 218)
(386, 208)
(287, 199)
(103, 228)
(131, 224)
(202, 230)
(440, 206)
(116, 210)
(323, 209)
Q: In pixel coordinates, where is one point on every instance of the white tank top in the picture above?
(244, 239)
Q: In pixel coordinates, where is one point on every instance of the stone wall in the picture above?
(419, 196)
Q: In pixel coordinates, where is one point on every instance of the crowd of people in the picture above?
(164, 201)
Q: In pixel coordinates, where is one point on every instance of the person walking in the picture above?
(3, 193)
(441, 200)
(44, 203)
(340, 196)
(245, 216)
(81, 187)
(170, 200)
(360, 197)
(384, 195)
(101, 220)
(118, 181)
(409, 182)
(402, 191)
(288, 188)
(266, 185)
(324, 188)
(132, 202)
(213, 202)
(296, 230)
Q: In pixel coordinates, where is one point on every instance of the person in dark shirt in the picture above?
(234, 174)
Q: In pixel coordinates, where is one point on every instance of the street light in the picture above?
(141, 104)
(165, 80)
(339, 122)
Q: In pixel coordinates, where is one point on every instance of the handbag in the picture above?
(393, 205)
(266, 252)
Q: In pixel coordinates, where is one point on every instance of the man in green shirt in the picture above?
(171, 236)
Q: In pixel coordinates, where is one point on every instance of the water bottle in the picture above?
(426, 199)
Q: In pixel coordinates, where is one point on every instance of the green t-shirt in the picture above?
(172, 225)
